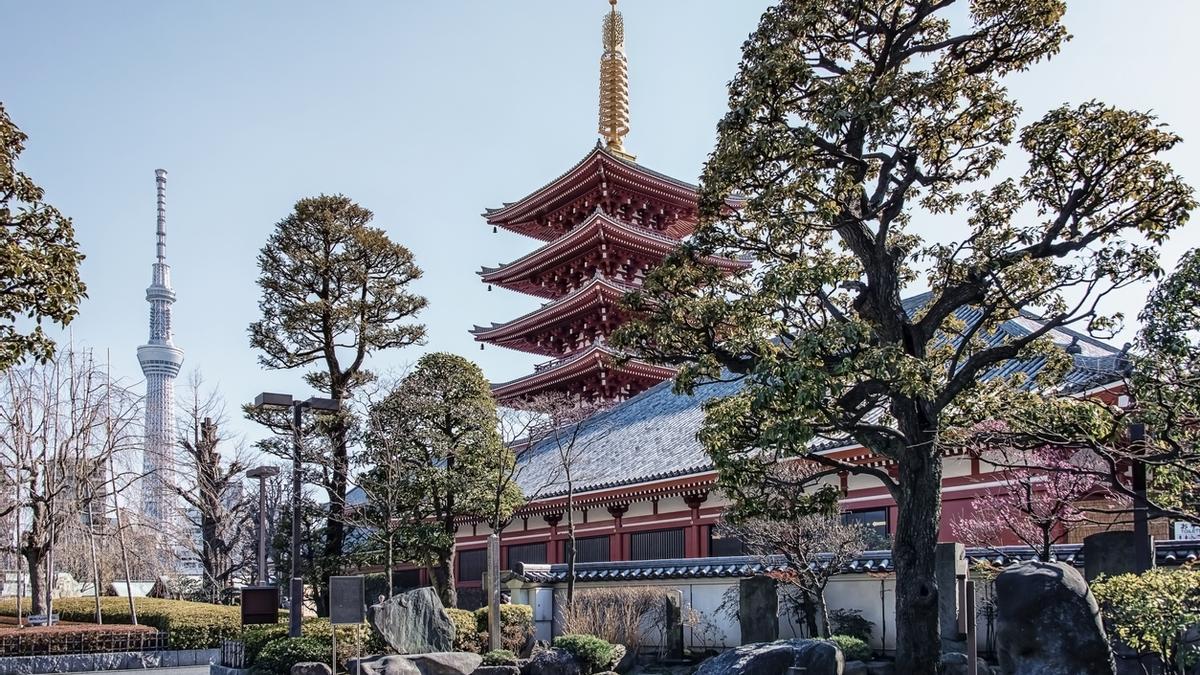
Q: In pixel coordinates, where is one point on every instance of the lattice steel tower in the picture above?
(160, 360)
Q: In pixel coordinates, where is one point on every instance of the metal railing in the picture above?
(233, 654)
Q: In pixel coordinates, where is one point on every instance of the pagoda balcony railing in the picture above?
(559, 362)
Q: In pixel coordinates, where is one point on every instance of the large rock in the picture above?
(413, 622)
(436, 663)
(382, 665)
(446, 663)
(955, 663)
(553, 661)
(311, 668)
(497, 670)
(1048, 623)
(774, 658)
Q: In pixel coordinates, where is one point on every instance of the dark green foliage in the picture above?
(39, 259)
(499, 657)
(431, 445)
(280, 654)
(592, 653)
(850, 622)
(334, 292)
(849, 123)
(853, 648)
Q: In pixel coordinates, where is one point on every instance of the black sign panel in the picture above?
(260, 604)
(346, 600)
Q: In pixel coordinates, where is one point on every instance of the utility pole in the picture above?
(262, 473)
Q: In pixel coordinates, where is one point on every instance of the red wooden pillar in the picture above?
(692, 535)
(552, 547)
(616, 543)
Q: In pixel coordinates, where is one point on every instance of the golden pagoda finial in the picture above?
(614, 83)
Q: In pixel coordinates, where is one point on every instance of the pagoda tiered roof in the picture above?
(597, 371)
(619, 186)
(559, 327)
(602, 244)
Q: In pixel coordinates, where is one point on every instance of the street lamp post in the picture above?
(262, 473)
(284, 401)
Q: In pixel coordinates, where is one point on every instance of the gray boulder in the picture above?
(413, 622)
(311, 668)
(955, 663)
(774, 658)
(446, 663)
(1048, 623)
(382, 665)
(553, 661)
(881, 668)
(437, 663)
(497, 670)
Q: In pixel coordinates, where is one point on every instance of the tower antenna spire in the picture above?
(160, 177)
(614, 84)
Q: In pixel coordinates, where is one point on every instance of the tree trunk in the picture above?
(335, 527)
(822, 613)
(443, 579)
(570, 544)
(35, 562)
(391, 565)
(918, 508)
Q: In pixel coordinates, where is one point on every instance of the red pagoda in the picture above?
(605, 222)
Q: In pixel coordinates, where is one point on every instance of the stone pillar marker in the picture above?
(758, 609)
(674, 628)
(492, 585)
(950, 566)
(1110, 553)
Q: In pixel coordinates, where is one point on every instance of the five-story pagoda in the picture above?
(606, 222)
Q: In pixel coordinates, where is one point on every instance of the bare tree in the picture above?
(217, 510)
(794, 518)
(59, 421)
(558, 421)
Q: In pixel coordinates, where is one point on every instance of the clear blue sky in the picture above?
(425, 113)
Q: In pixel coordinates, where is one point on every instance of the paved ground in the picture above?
(180, 670)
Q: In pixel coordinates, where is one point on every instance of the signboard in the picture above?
(346, 604)
(1189, 531)
(260, 605)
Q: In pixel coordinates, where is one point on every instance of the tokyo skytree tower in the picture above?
(160, 360)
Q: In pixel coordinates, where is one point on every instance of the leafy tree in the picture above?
(1160, 377)
(438, 429)
(39, 258)
(334, 291)
(1153, 613)
(848, 121)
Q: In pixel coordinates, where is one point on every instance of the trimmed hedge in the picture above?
(471, 631)
(592, 653)
(852, 648)
(280, 654)
(352, 641)
(191, 625)
(516, 625)
(467, 637)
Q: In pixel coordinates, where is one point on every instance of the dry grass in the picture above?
(617, 614)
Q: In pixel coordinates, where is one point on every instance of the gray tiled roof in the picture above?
(652, 436)
(1167, 554)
